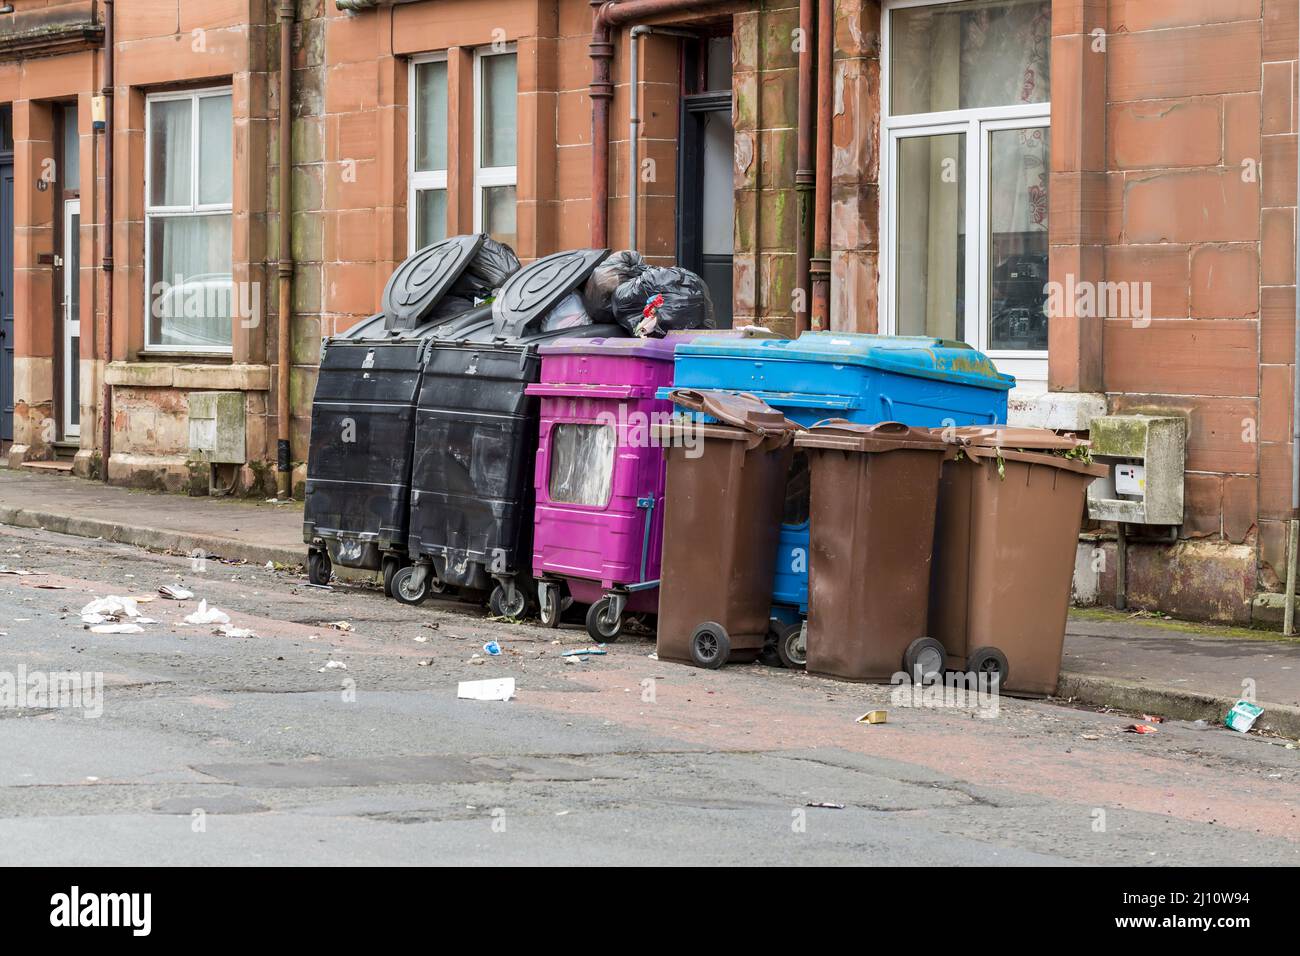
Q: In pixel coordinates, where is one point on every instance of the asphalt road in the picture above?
(213, 749)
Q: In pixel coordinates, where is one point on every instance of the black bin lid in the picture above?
(535, 289)
(423, 278)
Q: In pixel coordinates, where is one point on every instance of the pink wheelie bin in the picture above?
(600, 478)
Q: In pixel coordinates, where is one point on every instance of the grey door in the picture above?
(6, 302)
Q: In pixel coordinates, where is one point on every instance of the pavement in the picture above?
(208, 749)
(1130, 663)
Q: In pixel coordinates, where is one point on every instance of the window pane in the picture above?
(216, 150)
(1018, 239)
(498, 121)
(499, 213)
(191, 293)
(582, 464)
(169, 152)
(969, 54)
(71, 149)
(931, 277)
(430, 116)
(430, 217)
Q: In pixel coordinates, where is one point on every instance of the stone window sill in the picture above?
(189, 376)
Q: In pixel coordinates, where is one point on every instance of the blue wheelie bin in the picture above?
(919, 381)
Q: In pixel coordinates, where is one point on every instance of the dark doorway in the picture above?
(6, 277)
(705, 193)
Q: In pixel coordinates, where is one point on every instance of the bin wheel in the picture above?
(391, 567)
(319, 568)
(404, 589)
(501, 607)
(710, 645)
(550, 606)
(769, 655)
(989, 661)
(924, 659)
(791, 647)
(435, 583)
(599, 625)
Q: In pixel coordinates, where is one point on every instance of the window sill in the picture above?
(189, 375)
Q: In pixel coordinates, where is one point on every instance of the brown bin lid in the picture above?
(883, 437)
(1018, 444)
(742, 417)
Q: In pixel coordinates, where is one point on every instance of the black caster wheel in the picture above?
(988, 663)
(924, 660)
(768, 655)
(500, 606)
(319, 568)
(436, 584)
(710, 646)
(602, 629)
(550, 605)
(404, 589)
(391, 567)
(791, 647)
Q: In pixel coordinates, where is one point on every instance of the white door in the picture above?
(72, 318)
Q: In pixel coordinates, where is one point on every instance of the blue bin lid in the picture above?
(914, 355)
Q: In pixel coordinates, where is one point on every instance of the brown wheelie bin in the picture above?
(873, 497)
(1010, 508)
(722, 518)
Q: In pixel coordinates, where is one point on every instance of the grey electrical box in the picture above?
(217, 427)
(1146, 456)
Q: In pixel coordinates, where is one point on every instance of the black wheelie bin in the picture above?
(359, 461)
(476, 433)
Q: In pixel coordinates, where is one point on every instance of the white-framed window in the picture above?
(189, 292)
(496, 90)
(964, 176)
(427, 124)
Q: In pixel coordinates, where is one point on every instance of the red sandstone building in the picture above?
(1099, 193)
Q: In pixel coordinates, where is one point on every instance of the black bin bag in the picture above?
(661, 300)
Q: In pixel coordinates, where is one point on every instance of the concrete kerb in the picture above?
(1141, 698)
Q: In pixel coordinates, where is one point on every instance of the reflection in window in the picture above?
(582, 463)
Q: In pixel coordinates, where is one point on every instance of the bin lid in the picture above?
(424, 277)
(533, 290)
(917, 356)
(738, 409)
(1014, 443)
(878, 438)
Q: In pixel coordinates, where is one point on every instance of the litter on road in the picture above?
(332, 666)
(1243, 716)
(874, 717)
(128, 628)
(207, 615)
(499, 688)
(173, 593)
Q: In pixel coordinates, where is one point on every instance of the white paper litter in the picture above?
(497, 688)
(174, 593)
(109, 608)
(333, 666)
(228, 631)
(117, 629)
(206, 615)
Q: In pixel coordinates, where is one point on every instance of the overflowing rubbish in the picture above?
(663, 299)
(499, 688)
(207, 615)
(1242, 716)
(487, 271)
(619, 268)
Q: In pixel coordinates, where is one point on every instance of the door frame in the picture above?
(70, 324)
(7, 267)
